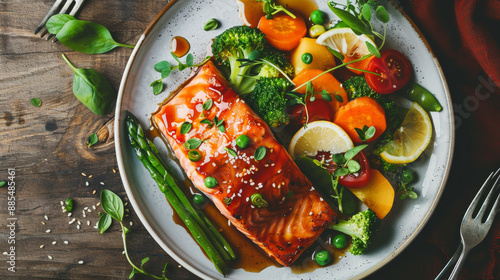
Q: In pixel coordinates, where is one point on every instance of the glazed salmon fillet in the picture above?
(295, 214)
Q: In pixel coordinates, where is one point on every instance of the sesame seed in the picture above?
(93, 206)
(88, 210)
(279, 171)
(72, 221)
(98, 203)
(94, 192)
(310, 213)
(85, 208)
(5, 253)
(114, 171)
(127, 210)
(47, 231)
(131, 223)
(70, 214)
(90, 176)
(66, 242)
(41, 246)
(43, 223)
(54, 242)
(80, 262)
(83, 174)
(102, 183)
(50, 257)
(88, 223)
(78, 227)
(125, 204)
(46, 218)
(87, 184)
(62, 203)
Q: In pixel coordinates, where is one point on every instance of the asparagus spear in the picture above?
(214, 245)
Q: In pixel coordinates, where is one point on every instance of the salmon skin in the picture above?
(296, 214)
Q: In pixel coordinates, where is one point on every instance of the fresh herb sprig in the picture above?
(114, 209)
(270, 8)
(165, 68)
(244, 62)
(365, 133)
(406, 176)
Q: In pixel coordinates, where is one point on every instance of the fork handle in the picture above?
(456, 270)
(451, 262)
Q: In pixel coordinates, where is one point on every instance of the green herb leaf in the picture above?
(165, 73)
(157, 86)
(143, 261)
(336, 53)
(372, 49)
(132, 273)
(112, 204)
(192, 143)
(403, 196)
(87, 37)
(189, 60)
(231, 152)
(104, 223)
(339, 98)
(326, 96)
(366, 12)
(354, 151)
(36, 102)
(92, 140)
(186, 127)
(56, 22)
(352, 21)
(208, 122)
(289, 195)
(161, 66)
(260, 153)
(92, 89)
(2, 183)
(309, 88)
(212, 24)
(353, 166)
(339, 159)
(342, 171)
(382, 14)
(370, 132)
(412, 195)
(69, 204)
(221, 128)
(208, 104)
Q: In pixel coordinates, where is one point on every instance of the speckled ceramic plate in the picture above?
(186, 18)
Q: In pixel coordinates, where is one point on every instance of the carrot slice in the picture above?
(283, 32)
(325, 82)
(358, 113)
(377, 195)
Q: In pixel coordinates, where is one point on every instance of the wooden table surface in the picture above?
(46, 147)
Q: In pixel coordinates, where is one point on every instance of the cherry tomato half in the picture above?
(352, 180)
(394, 68)
(318, 110)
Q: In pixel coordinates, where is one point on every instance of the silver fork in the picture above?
(56, 8)
(473, 230)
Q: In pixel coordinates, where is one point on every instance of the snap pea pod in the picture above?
(422, 96)
(176, 197)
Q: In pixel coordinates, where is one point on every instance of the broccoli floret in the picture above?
(268, 100)
(237, 43)
(277, 58)
(362, 227)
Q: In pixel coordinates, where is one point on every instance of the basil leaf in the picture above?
(36, 102)
(157, 86)
(211, 24)
(207, 121)
(192, 143)
(208, 104)
(161, 66)
(353, 166)
(382, 14)
(112, 204)
(352, 21)
(372, 49)
(92, 89)
(189, 60)
(260, 153)
(366, 12)
(354, 151)
(56, 22)
(87, 37)
(104, 223)
(186, 127)
(92, 140)
(231, 152)
(336, 53)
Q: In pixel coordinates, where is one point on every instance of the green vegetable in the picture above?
(365, 133)
(104, 222)
(192, 143)
(318, 17)
(307, 58)
(339, 241)
(56, 22)
(231, 152)
(69, 205)
(2, 183)
(212, 24)
(260, 153)
(270, 8)
(242, 141)
(186, 127)
(210, 182)
(258, 200)
(322, 257)
(269, 102)
(203, 231)
(362, 227)
(87, 37)
(316, 30)
(407, 176)
(36, 102)
(194, 155)
(422, 96)
(92, 89)
(208, 104)
(92, 140)
(198, 199)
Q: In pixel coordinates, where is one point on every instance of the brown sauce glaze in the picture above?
(179, 46)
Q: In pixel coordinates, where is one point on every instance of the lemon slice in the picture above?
(319, 136)
(344, 41)
(411, 139)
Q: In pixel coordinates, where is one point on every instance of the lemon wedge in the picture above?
(346, 42)
(319, 136)
(411, 139)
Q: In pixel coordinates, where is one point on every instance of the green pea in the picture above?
(322, 257)
(316, 30)
(340, 241)
(210, 182)
(198, 199)
(407, 176)
(318, 17)
(307, 58)
(194, 155)
(242, 141)
(254, 55)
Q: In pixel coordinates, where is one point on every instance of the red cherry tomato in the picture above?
(318, 110)
(358, 179)
(394, 68)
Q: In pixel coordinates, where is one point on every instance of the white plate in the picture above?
(186, 18)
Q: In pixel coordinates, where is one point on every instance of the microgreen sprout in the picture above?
(270, 8)
(365, 133)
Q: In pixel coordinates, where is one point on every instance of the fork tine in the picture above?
(63, 10)
(475, 201)
(74, 10)
(49, 14)
(489, 197)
